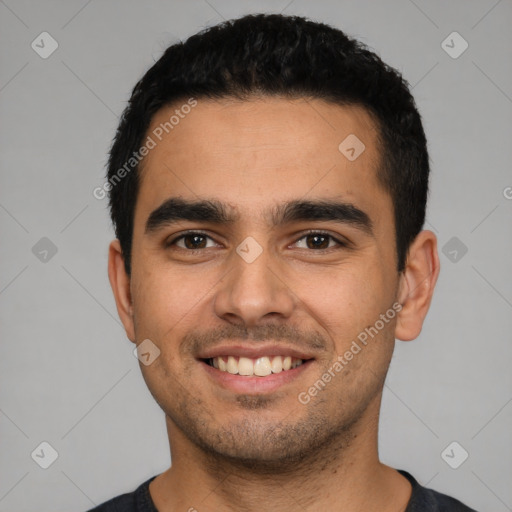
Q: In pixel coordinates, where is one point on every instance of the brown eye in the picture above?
(191, 241)
(319, 241)
(194, 241)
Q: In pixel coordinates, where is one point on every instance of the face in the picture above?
(258, 245)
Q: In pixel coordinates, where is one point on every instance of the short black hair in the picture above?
(278, 55)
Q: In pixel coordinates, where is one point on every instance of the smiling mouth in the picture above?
(250, 367)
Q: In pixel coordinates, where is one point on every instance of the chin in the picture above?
(267, 458)
(260, 443)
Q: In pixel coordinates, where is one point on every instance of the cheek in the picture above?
(344, 300)
(165, 299)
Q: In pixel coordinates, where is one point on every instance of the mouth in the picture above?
(255, 370)
(250, 367)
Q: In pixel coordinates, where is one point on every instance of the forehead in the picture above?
(252, 153)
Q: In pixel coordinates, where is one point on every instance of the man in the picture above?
(268, 184)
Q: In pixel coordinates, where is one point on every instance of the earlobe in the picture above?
(416, 287)
(120, 283)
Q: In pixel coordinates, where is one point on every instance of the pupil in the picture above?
(316, 237)
(193, 245)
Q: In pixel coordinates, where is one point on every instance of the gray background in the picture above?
(68, 375)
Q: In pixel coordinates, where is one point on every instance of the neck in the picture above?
(345, 474)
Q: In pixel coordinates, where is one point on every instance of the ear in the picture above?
(120, 283)
(416, 285)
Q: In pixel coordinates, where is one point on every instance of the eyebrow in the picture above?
(213, 211)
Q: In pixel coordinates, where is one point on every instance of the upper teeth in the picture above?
(262, 366)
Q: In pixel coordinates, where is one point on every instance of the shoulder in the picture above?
(138, 500)
(428, 500)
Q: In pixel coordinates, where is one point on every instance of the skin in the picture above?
(236, 450)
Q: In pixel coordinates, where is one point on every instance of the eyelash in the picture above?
(303, 235)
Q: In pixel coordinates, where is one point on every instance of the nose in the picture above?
(254, 290)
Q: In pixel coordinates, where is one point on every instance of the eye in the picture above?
(197, 240)
(191, 241)
(319, 240)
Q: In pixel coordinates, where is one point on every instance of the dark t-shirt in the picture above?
(422, 500)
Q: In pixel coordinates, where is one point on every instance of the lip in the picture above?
(254, 352)
(254, 385)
